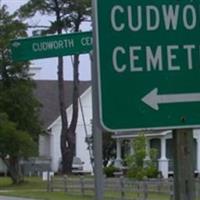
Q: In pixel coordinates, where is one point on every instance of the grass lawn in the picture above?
(29, 183)
(129, 195)
(47, 195)
(35, 188)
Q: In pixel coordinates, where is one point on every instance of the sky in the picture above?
(48, 67)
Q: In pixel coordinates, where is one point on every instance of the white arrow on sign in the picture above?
(153, 99)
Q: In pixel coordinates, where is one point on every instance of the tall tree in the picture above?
(14, 145)
(17, 101)
(16, 97)
(69, 14)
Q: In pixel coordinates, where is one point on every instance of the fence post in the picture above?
(82, 185)
(138, 189)
(159, 186)
(51, 183)
(121, 181)
(145, 189)
(171, 188)
(197, 186)
(48, 182)
(65, 183)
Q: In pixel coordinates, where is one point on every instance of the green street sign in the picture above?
(148, 57)
(51, 46)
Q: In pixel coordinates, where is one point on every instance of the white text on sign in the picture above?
(151, 18)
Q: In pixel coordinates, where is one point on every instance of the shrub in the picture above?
(109, 171)
(137, 168)
(137, 173)
(151, 172)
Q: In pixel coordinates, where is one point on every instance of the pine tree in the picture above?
(69, 14)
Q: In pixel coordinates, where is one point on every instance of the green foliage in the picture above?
(10, 28)
(151, 172)
(19, 122)
(138, 167)
(18, 101)
(13, 142)
(16, 89)
(136, 160)
(109, 171)
(72, 12)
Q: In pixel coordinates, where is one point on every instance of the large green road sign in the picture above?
(51, 46)
(148, 55)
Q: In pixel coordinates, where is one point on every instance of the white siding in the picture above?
(44, 146)
(55, 146)
(52, 145)
(3, 168)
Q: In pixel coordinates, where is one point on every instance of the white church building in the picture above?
(49, 143)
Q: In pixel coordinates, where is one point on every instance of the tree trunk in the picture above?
(68, 138)
(64, 122)
(64, 144)
(69, 151)
(14, 170)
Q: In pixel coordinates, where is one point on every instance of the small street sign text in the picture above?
(51, 46)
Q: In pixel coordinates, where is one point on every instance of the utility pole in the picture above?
(184, 188)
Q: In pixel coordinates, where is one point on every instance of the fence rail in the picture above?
(120, 188)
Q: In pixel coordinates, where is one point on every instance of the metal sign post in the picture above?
(97, 130)
(97, 136)
(184, 188)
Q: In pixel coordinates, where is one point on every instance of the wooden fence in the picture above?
(118, 188)
(77, 184)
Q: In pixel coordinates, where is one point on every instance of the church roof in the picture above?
(47, 93)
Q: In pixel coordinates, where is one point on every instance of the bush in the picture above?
(136, 173)
(141, 173)
(138, 167)
(109, 171)
(151, 172)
